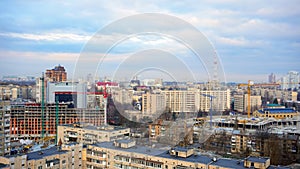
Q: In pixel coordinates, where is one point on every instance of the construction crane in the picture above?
(210, 109)
(105, 95)
(249, 84)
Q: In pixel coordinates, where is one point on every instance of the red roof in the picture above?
(107, 83)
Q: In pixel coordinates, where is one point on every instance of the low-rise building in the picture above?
(257, 162)
(277, 113)
(89, 134)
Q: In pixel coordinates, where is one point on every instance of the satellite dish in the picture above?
(214, 159)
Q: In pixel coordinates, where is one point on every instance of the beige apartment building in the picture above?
(67, 157)
(89, 134)
(153, 103)
(127, 154)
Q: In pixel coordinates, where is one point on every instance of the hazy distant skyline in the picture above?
(252, 38)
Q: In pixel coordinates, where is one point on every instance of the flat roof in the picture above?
(278, 167)
(136, 148)
(96, 128)
(257, 159)
(277, 110)
(43, 153)
(193, 158)
(229, 163)
(155, 152)
(124, 141)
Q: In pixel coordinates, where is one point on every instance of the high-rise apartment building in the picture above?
(194, 100)
(153, 103)
(4, 129)
(272, 78)
(57, 74)
(290, 81)
(241, 102)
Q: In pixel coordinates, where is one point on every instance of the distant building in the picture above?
(57, 74)
(290, 81)
(153, 103)
(74, 92)
(38, 90)
(241, 102)
(194, 100)
(272, 78)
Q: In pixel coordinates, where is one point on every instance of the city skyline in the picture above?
(252, 38)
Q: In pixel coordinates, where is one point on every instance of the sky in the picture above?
(252, 39)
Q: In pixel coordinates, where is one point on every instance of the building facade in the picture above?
(26, 119)
(57, 74)
(74, 92)
(89, 134)
(67, 156)
(4, 129)
(241, 102)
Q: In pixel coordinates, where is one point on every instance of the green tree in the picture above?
(275, 101)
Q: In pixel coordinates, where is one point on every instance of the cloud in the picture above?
(71, 37)
(240, 41)
(39, 56)
(239, 29)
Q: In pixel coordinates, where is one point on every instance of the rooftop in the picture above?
(193, 158)
(136, 148)
(124, 141)
(257, 159)
(274, 105)
(277, 110)
(43, 153)
(156, 152)
(229, 163)
(91, 127)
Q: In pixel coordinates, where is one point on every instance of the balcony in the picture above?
(72, 135)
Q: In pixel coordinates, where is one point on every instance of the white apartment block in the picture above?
(185, 100)
(241, 102)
